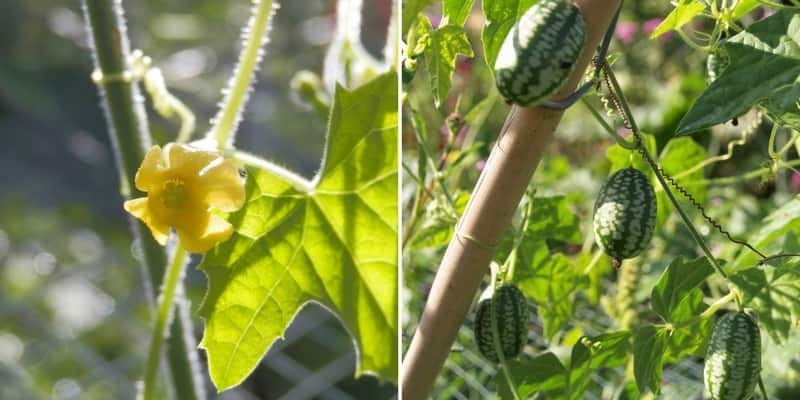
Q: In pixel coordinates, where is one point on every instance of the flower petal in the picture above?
(187, 161)
(201, 234)
(222, 185)
(140, 208)
(149, 174)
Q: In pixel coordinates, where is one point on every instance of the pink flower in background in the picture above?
(716, 202)
(651, 24)
(463, 66)
(623, 132)
(626, 31)
(794, 181)
(768, 13)
(480, 165)
(435, 20)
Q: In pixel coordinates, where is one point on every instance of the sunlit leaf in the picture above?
(682, 14)
(457, 11)
(442, 46)
(501, 15)
(411, 10)
(333, 242)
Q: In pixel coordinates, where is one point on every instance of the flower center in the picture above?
(174, 193)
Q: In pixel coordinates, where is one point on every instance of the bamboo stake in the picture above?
(494, 200)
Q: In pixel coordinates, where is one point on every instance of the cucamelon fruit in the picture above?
(540, 52)
(512, 317)
(733, 358)
(625, 214)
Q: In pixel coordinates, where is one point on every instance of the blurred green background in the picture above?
(73, 319)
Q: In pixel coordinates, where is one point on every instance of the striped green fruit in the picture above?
(625, 214)
(512, 315)
(733, 359)
(539, 53)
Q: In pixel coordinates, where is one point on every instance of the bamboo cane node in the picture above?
(469, 238)
(101, 79)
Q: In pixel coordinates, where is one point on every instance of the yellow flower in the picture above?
(182, 185)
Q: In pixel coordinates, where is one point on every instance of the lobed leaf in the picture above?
(441, 47)
(333, 242)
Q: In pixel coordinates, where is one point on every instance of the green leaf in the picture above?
(552, 218)
(437, 232)
(783, 106)
(442, 46)
(674, 285)
(332, 241)
(531, 375)
(411, 10)
(743, 7)
(590, 353)
(548, 279)
(648, 350)
(773, 292)
(683, 13)
(457, 11)
(776, 225)
(501, 15)
(689, 340)
(767, 54)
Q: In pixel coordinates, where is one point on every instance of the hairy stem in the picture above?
(130, 138)
(172, 279)
(238, 90)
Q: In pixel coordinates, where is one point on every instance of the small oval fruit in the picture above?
(733, 358)
(512, 316)
(625, 214)
(540, 52)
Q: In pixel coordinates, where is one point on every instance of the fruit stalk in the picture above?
(487, 216)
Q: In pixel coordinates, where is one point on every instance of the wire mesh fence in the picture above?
(467, 375)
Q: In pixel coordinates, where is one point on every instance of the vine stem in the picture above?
(763, 389)
(172, 278)
(237, 92)
(298, 182)
(646, 153)
(130, 138)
